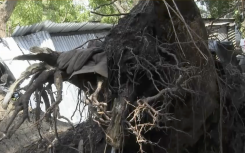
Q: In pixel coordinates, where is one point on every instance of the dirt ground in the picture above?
(88, 132)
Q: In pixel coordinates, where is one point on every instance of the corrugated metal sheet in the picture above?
(219, 34)
(58, 43)
(216, 24)
(232, 34)
(221, 29)
(66, 43)
(219, 24)
(41, 39)
(224, 33)
(53, 27)
(220, 20)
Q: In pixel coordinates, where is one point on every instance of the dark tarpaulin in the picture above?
(84, 61)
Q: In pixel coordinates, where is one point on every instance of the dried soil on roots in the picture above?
(87, 131)
(151, 50)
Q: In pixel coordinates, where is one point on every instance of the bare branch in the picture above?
(109, 14)
(106, 4)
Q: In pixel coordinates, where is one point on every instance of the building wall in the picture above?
(219, 33)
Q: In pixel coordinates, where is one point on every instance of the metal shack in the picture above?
(223, 29)
(57, 36)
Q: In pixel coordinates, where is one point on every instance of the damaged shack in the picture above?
(61, 37)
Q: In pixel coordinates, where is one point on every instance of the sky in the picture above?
(199, 4)
(81, 2)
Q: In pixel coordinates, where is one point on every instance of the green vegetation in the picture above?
(110, 7)
(29, 12)
(219, 8)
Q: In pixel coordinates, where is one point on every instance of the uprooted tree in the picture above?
(153, 80)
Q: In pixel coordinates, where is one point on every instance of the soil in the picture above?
(86, 131)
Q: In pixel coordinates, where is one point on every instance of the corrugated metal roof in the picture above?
(53, 27)
(221, 29)
(217, 24)
(219, 20)
(41, 39)
(58, 43)
(66, 43)
(220, 24)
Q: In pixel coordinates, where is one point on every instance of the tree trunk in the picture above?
(6, 10)
(145, 51)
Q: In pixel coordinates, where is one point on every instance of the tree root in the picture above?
(43, 73)
(22, 102)
(28, 72)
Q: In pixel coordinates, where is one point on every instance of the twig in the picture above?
(78, 102)
(106, 4)
(109, 14)
(88, 41)
(38, 109)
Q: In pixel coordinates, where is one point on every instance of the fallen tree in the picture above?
(153, 86)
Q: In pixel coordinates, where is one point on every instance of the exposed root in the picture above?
(22, 102)
(100, 107)
(43, 73)
(28, 72)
